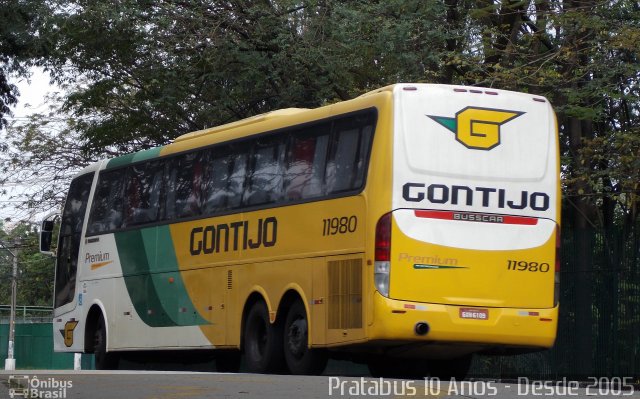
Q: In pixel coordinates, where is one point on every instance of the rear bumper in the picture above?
(395, 320)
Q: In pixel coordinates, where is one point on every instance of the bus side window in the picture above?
(340, 167)
(144, 182)
(363, 155)
(305, 167)
(106, 211)
(235, 187)
(265, 181)
(184, 186)
(216, 174)
(348, 153)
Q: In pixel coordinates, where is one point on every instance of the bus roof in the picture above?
(247, 121)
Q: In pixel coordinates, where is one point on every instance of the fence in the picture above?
(599, 326)
(34, 348)
(27, 314)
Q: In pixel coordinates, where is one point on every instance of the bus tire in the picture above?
(104, 360)
(446, 369)
(301, 359)
(262, 341)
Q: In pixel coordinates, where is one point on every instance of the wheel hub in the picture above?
(297, 335)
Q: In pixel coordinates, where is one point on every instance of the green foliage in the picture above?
(35, 271)
(16, 30)
(156, 70)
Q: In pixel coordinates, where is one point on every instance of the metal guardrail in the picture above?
(27, 314)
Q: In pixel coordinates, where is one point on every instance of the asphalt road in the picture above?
(174, 385)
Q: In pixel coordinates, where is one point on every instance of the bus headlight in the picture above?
(381, 277)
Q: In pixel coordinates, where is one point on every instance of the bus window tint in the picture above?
(70, 238)
(306, 164)
(224, 176)
(216, 179)
(348, 153)
(238, 164)
(265, 182)
(363, 155)
(142, 199)
(106, 212)
(184, 193)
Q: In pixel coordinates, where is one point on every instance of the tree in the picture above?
(163, 68)
(18, 45)
(42, 156)
(35, 271)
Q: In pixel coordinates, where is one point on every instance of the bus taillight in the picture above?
(383, 254)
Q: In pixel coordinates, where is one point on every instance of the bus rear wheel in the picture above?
(262, 341)
(300, 358)
(104, 360)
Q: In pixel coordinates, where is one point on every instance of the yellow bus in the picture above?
(408, 228)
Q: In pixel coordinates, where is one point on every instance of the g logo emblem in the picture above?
(477, 128)
(67, 333)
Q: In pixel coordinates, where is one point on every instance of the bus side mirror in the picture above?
(46, 235)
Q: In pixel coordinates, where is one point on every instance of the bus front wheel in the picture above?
(104, 360)
(262, 341)
(299, 357)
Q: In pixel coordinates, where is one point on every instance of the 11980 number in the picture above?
(342, 225)
(524, 266)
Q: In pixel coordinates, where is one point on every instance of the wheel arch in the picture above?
(91, 322)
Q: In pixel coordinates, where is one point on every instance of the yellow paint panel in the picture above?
(268, 251)
(425, 272)
(283, 232)
(206, 288)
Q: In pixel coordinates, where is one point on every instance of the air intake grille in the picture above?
(229, 279)
(345, 293)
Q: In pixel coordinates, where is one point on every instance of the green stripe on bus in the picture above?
(134, 157)
(153, 279)
(166, 278)
(135, 269)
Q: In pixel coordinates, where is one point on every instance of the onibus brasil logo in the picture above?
(24, 386)
(477, 128)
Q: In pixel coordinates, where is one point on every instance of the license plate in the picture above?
(474, 313)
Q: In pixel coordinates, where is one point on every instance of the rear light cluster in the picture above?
(556, 286)
(383, 254)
